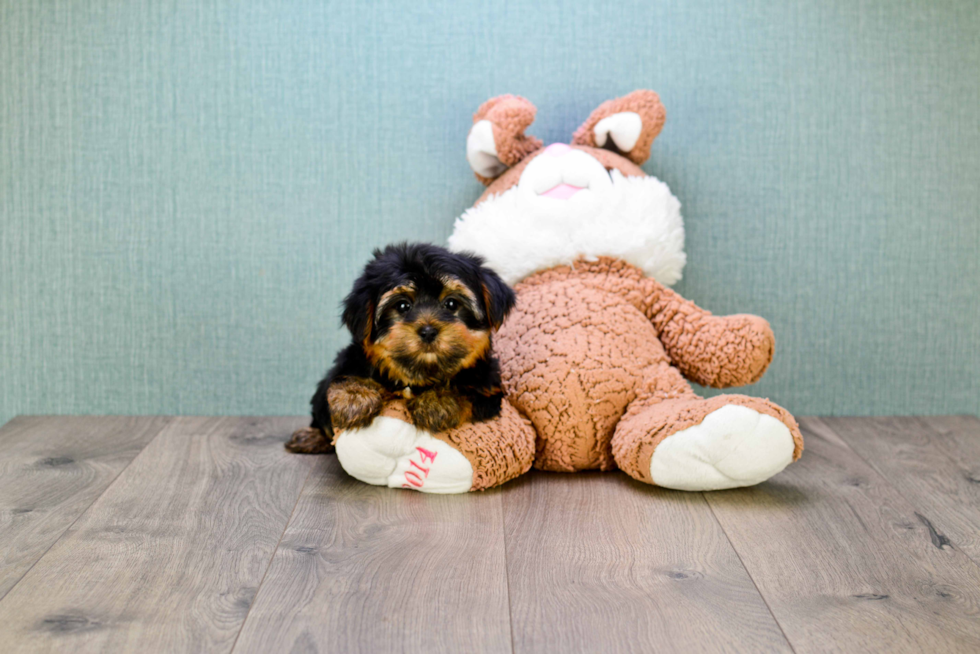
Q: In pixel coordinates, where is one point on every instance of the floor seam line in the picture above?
(57, 540)
(510, 604)
(744, 567)
(272, 558)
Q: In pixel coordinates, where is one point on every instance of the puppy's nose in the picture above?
(428, 333)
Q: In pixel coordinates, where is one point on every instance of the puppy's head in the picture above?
(423, 313)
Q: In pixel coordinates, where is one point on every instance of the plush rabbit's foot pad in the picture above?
(733, 446)
(391, 452)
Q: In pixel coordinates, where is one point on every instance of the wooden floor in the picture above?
(203, 534)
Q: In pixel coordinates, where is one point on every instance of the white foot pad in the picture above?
(391, 452)
(733, 446)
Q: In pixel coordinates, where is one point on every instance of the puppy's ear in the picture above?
(497, 140)
(498, 298)
(626, 125)
(359, 306)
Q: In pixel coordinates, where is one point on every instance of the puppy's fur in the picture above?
(421, 318)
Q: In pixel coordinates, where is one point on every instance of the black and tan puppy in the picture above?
(421, 318)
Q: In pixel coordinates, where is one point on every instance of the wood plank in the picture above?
(845, 562)
(368, 569)
(170, 556)
(51, 470)
(933, 462)
(600, 563)
(962, 435)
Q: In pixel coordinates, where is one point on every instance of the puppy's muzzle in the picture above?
(428, 333)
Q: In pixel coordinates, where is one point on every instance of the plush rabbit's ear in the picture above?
(497, 140)
(626, 125)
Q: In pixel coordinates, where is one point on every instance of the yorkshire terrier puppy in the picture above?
(421, 318)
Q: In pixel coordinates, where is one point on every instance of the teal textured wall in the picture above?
(187, 189)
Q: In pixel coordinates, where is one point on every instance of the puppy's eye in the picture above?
(403, 306)
(451, 304)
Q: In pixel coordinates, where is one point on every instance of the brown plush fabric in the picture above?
(510, 115)
(645, 103)
(587, 343)
(717, 351)
(498, 449)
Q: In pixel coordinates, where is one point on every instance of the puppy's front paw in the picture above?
(354, 403)
(309, 440)
(437, 410)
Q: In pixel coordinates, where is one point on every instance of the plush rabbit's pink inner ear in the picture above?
(626, 125)
(497, 140)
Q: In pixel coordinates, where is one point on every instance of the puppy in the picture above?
(421, 318)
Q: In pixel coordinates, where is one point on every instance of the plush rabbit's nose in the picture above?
(557, 149)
